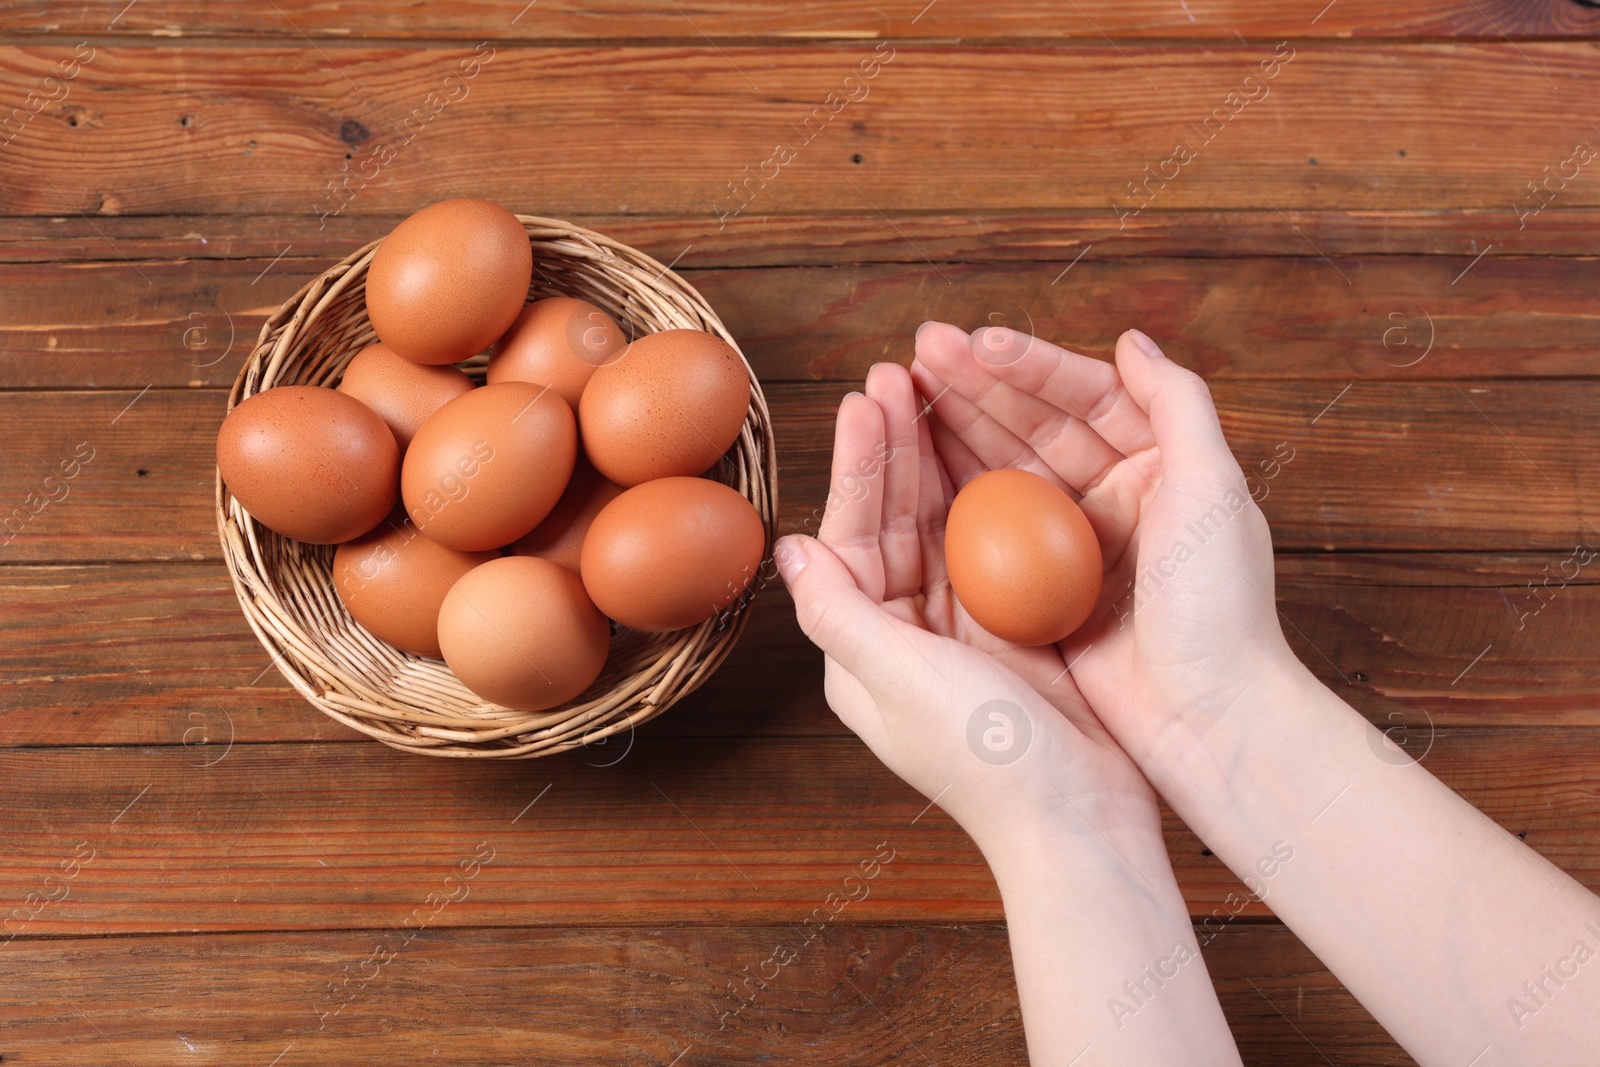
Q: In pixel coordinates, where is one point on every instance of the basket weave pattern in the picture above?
(286, 586)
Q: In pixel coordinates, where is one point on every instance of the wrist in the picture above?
(1091, 838)
(1104, 898)
(1263, 773)
(1201, 752)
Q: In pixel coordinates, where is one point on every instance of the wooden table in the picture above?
(198, 868)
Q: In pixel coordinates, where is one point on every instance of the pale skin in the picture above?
(1464, 943)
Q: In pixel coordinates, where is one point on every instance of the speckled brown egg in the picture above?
(449, 280)
(671, 404)
(1022, 557)
(403, 393)
(672, 552)
(559, 538)
(490, 465)
(560, 342)
(392, 580)
(310, 463)
(519, 631)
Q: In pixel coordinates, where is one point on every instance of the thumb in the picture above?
(1193, 451)
(834, 613)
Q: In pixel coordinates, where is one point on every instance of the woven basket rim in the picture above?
(414, 704)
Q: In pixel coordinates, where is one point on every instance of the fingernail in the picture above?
(1147, 346)
(790, 556)
(924, 326)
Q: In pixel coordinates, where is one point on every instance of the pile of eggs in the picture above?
(505, 527)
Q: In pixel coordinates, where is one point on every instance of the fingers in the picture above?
(1182, 415)
(890, 387)
(960, 463)
(1045, 425)
(992, 445)
(854, 510)
(838, 617)
(1090, 389)
(934, 495)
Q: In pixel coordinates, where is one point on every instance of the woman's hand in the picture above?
(1276, 774)
(1187, 622)
(1002, 739)
(997, 733)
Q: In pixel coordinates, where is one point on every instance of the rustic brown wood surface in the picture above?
(163, 128)
(825, 239)
(721, 829)
(803, 22)
(618, 995)
(192, 322)
(1357, 258)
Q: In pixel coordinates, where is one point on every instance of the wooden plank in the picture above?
(1397, 318)
(150, 654)
(696, 830)
(194, 322)
(827, 239)
(621, 996)
(150, 130)
(1443, 456)
(557, 20)
(1418, 641)
(1490, 467)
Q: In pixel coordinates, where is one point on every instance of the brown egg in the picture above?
(671, 404)
(310, 463)
(392, 581)
(1022, 557)
(560, 342)
(672, 552)
(403, 393)
(490, 465)
(520, 632)
(449, 280)
(559, 538)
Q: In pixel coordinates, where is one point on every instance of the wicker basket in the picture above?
(416, 704)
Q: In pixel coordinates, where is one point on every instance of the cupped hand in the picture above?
(997, 734)
(1187, 622)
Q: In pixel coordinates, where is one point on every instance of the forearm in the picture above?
(1108, 970)
(1465, 944)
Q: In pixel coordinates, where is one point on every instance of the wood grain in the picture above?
(1489, 467)
(1326, 236)
(156, 129)
(805, 22)
(149, 654)
(701, 830)
(826, 239)
(637, 995)
(1383, 317)
(194, 321)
